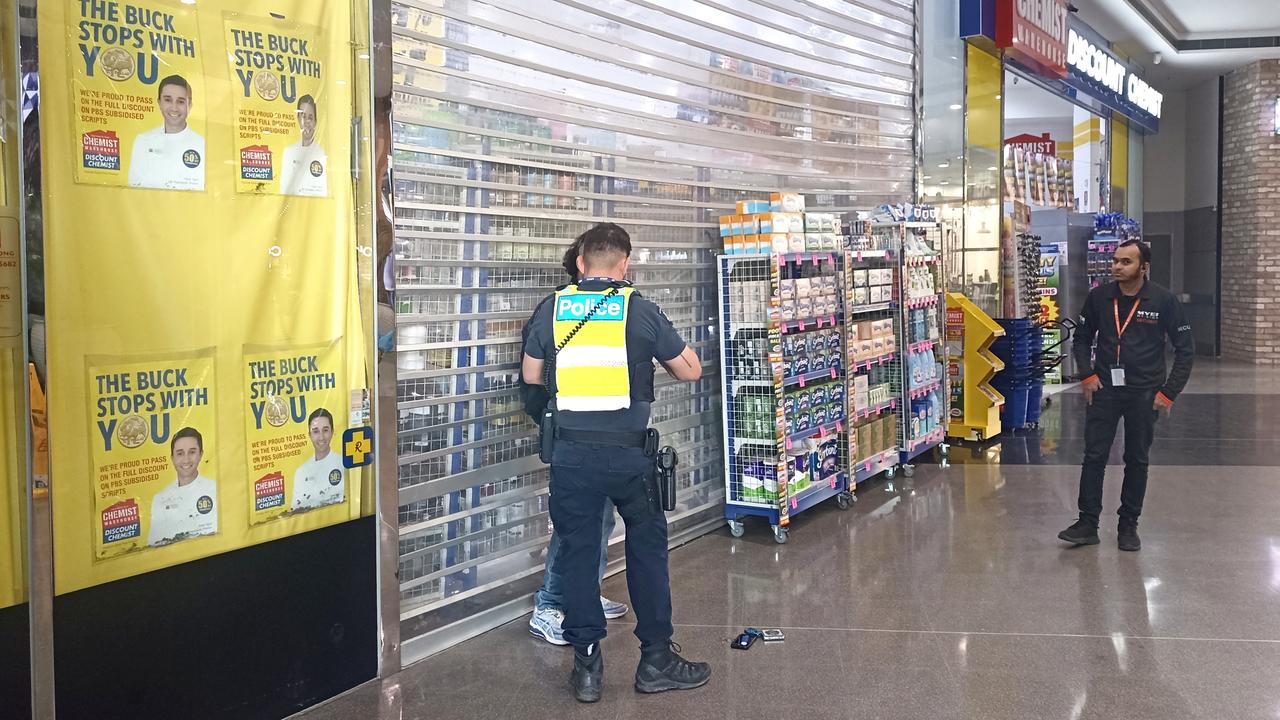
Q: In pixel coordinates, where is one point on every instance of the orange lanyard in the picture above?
(1120, 329)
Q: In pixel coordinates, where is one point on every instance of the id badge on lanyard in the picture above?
(1117, 370)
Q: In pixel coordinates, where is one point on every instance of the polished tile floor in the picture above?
(948, 596)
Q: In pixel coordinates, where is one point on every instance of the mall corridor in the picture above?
(948, 596)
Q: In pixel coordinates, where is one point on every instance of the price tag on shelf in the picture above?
(831, 258)
(833, 482)
(787, 443)
(802, 381)
(795, 503)
(839, 426)
(867, 467)
(833, 372)
(801, 326)
(822, 431)
(893, 404)
(819, 323)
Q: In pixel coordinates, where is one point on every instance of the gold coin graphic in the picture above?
(117, 64)
(267, 85)
(132, 432)
(277, 411)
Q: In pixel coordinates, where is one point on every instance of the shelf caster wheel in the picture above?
(737, 529)
(780, 535)
(909, 470)
(892, 472)
(844, 500)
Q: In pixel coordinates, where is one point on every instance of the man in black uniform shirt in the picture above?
(1131, 318)
(601, 339)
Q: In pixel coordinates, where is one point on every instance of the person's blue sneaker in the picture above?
(613, 610)
(546, 625)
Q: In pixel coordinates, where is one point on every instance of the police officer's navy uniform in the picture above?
(603, 384)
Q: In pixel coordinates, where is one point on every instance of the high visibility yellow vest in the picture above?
(592, 372)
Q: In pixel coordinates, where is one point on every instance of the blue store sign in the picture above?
(1092, 68)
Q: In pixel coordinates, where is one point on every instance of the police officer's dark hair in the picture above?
(1144, 250)
(320, 413)
(186, 432)
(307, 99)
(603, 239)
(173, 80)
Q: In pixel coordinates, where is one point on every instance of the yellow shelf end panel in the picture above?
(974, 404)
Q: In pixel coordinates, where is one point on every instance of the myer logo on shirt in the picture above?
(1148, 316)
(576, 307)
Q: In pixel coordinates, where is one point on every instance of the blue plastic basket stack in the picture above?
(1021, 381)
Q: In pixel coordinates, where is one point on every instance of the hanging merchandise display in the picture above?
(1028, 274)
(921, 386)
(782, 362)
(974, 405)
(1109, 230)
(872, 340)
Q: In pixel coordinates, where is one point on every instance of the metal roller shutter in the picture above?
(518, 125)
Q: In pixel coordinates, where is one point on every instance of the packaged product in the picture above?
(786, 202)
(828, 459)
(777, 242)
(726, 225)
(861, 277)
(795, 242)
(804, 287)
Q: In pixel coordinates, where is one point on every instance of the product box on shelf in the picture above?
(787, 202)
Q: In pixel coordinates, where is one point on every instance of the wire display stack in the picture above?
(919, 305)
(1022, 379)
(782, 359)
(872, 357)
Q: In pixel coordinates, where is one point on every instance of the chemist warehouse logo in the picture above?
(121, 522)
(101, 150)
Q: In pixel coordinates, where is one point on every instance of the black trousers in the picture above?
(582, 476)
(1136, 406)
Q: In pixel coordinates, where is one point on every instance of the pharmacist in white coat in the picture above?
(305, 170)
(170, 157)
(322, 479)
(187, 507)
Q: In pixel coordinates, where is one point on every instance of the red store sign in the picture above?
(1036, 31)
(1042, 144)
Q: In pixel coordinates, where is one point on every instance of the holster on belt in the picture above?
(547, 433)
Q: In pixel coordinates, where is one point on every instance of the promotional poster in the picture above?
(155, 444)
(294, 423)
(139, 94)
(278, 100)
(195, 330)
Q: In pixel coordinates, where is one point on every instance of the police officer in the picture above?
(1131, 319)
(601, 339)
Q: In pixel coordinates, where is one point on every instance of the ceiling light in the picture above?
(944, 165)
(945, 182)
(927, 177)
(956, 106)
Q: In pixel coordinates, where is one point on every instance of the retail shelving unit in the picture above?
(919, 306)
(782, 364)
(872, 358)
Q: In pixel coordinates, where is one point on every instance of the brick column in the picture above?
(1251, 215)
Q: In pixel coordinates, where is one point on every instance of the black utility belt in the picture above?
(635, 439)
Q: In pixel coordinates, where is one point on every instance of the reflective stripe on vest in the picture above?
(592, 373)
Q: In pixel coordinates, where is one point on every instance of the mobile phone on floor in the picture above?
(743, 642)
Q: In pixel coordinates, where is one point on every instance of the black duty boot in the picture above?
(1128, 536)
(588, 674)
(663, 669)
(1082, 533)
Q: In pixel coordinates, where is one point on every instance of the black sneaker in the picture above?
(663, 669)
(1128, 536)
(1082, 533)
(588, 674)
